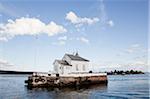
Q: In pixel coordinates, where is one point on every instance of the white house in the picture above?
(71, 64)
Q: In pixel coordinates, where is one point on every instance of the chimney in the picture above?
(73, 53)
(76, 54)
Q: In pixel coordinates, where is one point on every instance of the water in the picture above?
(119, 87)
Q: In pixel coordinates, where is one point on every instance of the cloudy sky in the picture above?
(112, 34)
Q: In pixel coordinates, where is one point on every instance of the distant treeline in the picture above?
(121, 72)
(14, 72)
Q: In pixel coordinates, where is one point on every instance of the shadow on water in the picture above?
(72, 88)
(68, 93)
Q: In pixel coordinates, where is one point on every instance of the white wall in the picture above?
(61, 69)
(67, 69)
(57, 67)
(80, 66)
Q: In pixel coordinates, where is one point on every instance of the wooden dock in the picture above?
(66, 80)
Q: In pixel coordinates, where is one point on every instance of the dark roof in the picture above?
(63, 62)
(76, 57)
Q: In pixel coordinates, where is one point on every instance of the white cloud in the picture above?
(5, 63)
(62, 38)
(59, 43)
(133, 48)
(29, 26)
(83, 39)
(110, 23)
(140, 63)
(3, 39)
(104, 19)
(135, 45)
(137, 65)
(112, 65)
(148, 50)
(62, 42)
(79, 21)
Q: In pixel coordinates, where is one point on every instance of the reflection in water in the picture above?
(122, 87)
(83, 92)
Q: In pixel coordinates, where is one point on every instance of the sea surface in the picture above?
(118, 87)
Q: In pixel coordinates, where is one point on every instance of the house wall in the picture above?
(61, 69)
(79, 66)
(67, 69)
(57, 67)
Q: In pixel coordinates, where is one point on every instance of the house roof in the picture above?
(76, 57)
(63, 62)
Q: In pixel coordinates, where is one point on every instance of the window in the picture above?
(83, 67)
(77, 68)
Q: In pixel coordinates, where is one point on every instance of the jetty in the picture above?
(71, 70)
(71, 80)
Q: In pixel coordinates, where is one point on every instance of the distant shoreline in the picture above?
(109, 73)
(15, 72)
(121, 72)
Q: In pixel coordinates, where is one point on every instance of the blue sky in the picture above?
(112, 34)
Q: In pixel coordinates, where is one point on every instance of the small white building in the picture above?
(71, 64)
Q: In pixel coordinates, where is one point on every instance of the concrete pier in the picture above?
(66, 80)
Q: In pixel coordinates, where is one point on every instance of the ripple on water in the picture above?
(129, 86)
